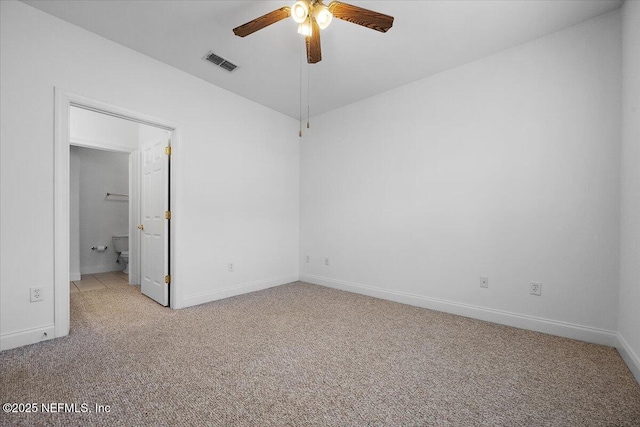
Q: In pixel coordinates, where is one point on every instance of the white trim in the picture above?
(121, 113)
(533, 323)
(104, 146)
(134, 217)
(241, 289)
(62, 102)
(74, 277)
(26, 337)
(629, 356)
(61, 215)
(177, 181)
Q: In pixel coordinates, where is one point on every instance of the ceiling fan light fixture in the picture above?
(305, 28)
(300, 12)
(322, 15)
(312, 16)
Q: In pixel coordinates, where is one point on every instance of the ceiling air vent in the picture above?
(220, 61)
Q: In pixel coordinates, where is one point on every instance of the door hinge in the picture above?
(167, 150)
(167, 214)
(167, 279)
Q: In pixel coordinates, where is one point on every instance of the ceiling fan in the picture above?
(312, 16)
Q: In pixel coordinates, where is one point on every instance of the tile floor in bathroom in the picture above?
(92, 282)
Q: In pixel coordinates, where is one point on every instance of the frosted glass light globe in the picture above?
(322, 15)
(300, 11)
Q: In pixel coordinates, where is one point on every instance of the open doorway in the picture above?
(99, 250)
(100, 179)
(86, 127)
(119, 176)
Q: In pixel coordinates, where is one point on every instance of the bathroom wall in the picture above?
(101, 217)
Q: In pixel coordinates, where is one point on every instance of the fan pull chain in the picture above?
(308, 96)
(301, 58)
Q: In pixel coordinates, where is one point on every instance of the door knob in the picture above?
(141, 227)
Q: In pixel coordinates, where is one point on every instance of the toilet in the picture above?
(121, 246)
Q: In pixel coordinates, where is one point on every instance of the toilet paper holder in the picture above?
(99, 248)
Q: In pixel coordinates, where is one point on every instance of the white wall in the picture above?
(102, 217)
(238, 191)
(74, 214)
(92, 129)
(506, 167)
(629, 320)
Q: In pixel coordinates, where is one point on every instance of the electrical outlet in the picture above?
(37, 294)
(308, 259)
(484, 282)
(535, 288)
(326, 261)
(230, 266)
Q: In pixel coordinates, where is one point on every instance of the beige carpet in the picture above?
(303, 355)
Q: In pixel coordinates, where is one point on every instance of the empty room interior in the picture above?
(265, 213)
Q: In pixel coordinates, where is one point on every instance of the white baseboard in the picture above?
(26, 337)
(74, 277)
(629, 356)
(532, 323)
(232, 291)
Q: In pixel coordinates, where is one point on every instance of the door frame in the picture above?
(134, 217)
(62, 140)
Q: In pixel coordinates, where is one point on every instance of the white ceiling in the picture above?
(427, 37)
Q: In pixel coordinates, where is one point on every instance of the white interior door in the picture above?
(154, 245)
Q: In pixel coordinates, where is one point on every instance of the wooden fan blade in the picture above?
(263, 21)
(357, 15)
(314, 51)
